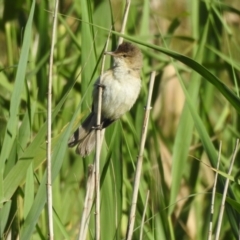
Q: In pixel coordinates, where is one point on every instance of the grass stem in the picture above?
(214, 193)
(125, 17)
(87, 204)
(225, 192)
(132, 216)
(49, 127)
(98, 150)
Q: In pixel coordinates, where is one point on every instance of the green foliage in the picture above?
(193, 46)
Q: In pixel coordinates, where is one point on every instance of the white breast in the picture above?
(121, 90)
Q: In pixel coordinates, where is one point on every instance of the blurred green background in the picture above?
(192, 112)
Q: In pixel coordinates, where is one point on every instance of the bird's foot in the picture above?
(97, 127)
(100, 85)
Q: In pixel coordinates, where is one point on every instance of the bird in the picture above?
(121, 86)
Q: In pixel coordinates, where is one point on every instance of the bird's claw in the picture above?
(100, 85)
(97, 127)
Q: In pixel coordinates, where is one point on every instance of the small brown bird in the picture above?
(121, 86)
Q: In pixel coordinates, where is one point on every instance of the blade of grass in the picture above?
(181, 146)
(12, 124)
(88, 56)
(28, 191)
(210, 150)
(200, 69)
(4, 214)
(35, 153)
(40, 199)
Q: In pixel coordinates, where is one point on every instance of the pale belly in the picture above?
(118, 96)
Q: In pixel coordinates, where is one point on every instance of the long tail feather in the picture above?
(87, 145)
(83, 131)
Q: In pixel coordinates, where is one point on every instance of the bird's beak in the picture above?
(110, 53)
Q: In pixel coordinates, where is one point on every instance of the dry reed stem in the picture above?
(49, 127)
(225, 192)
(87, 204)
(132, 216)
(214, 192)
(98, 150)
(125, 17)
(143, 217)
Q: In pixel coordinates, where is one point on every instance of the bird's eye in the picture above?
(124, 55)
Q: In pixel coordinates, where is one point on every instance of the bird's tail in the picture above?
(84, 136)
(87, 145)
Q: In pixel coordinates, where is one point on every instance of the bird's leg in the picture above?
(100, 85)
(98, 127)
